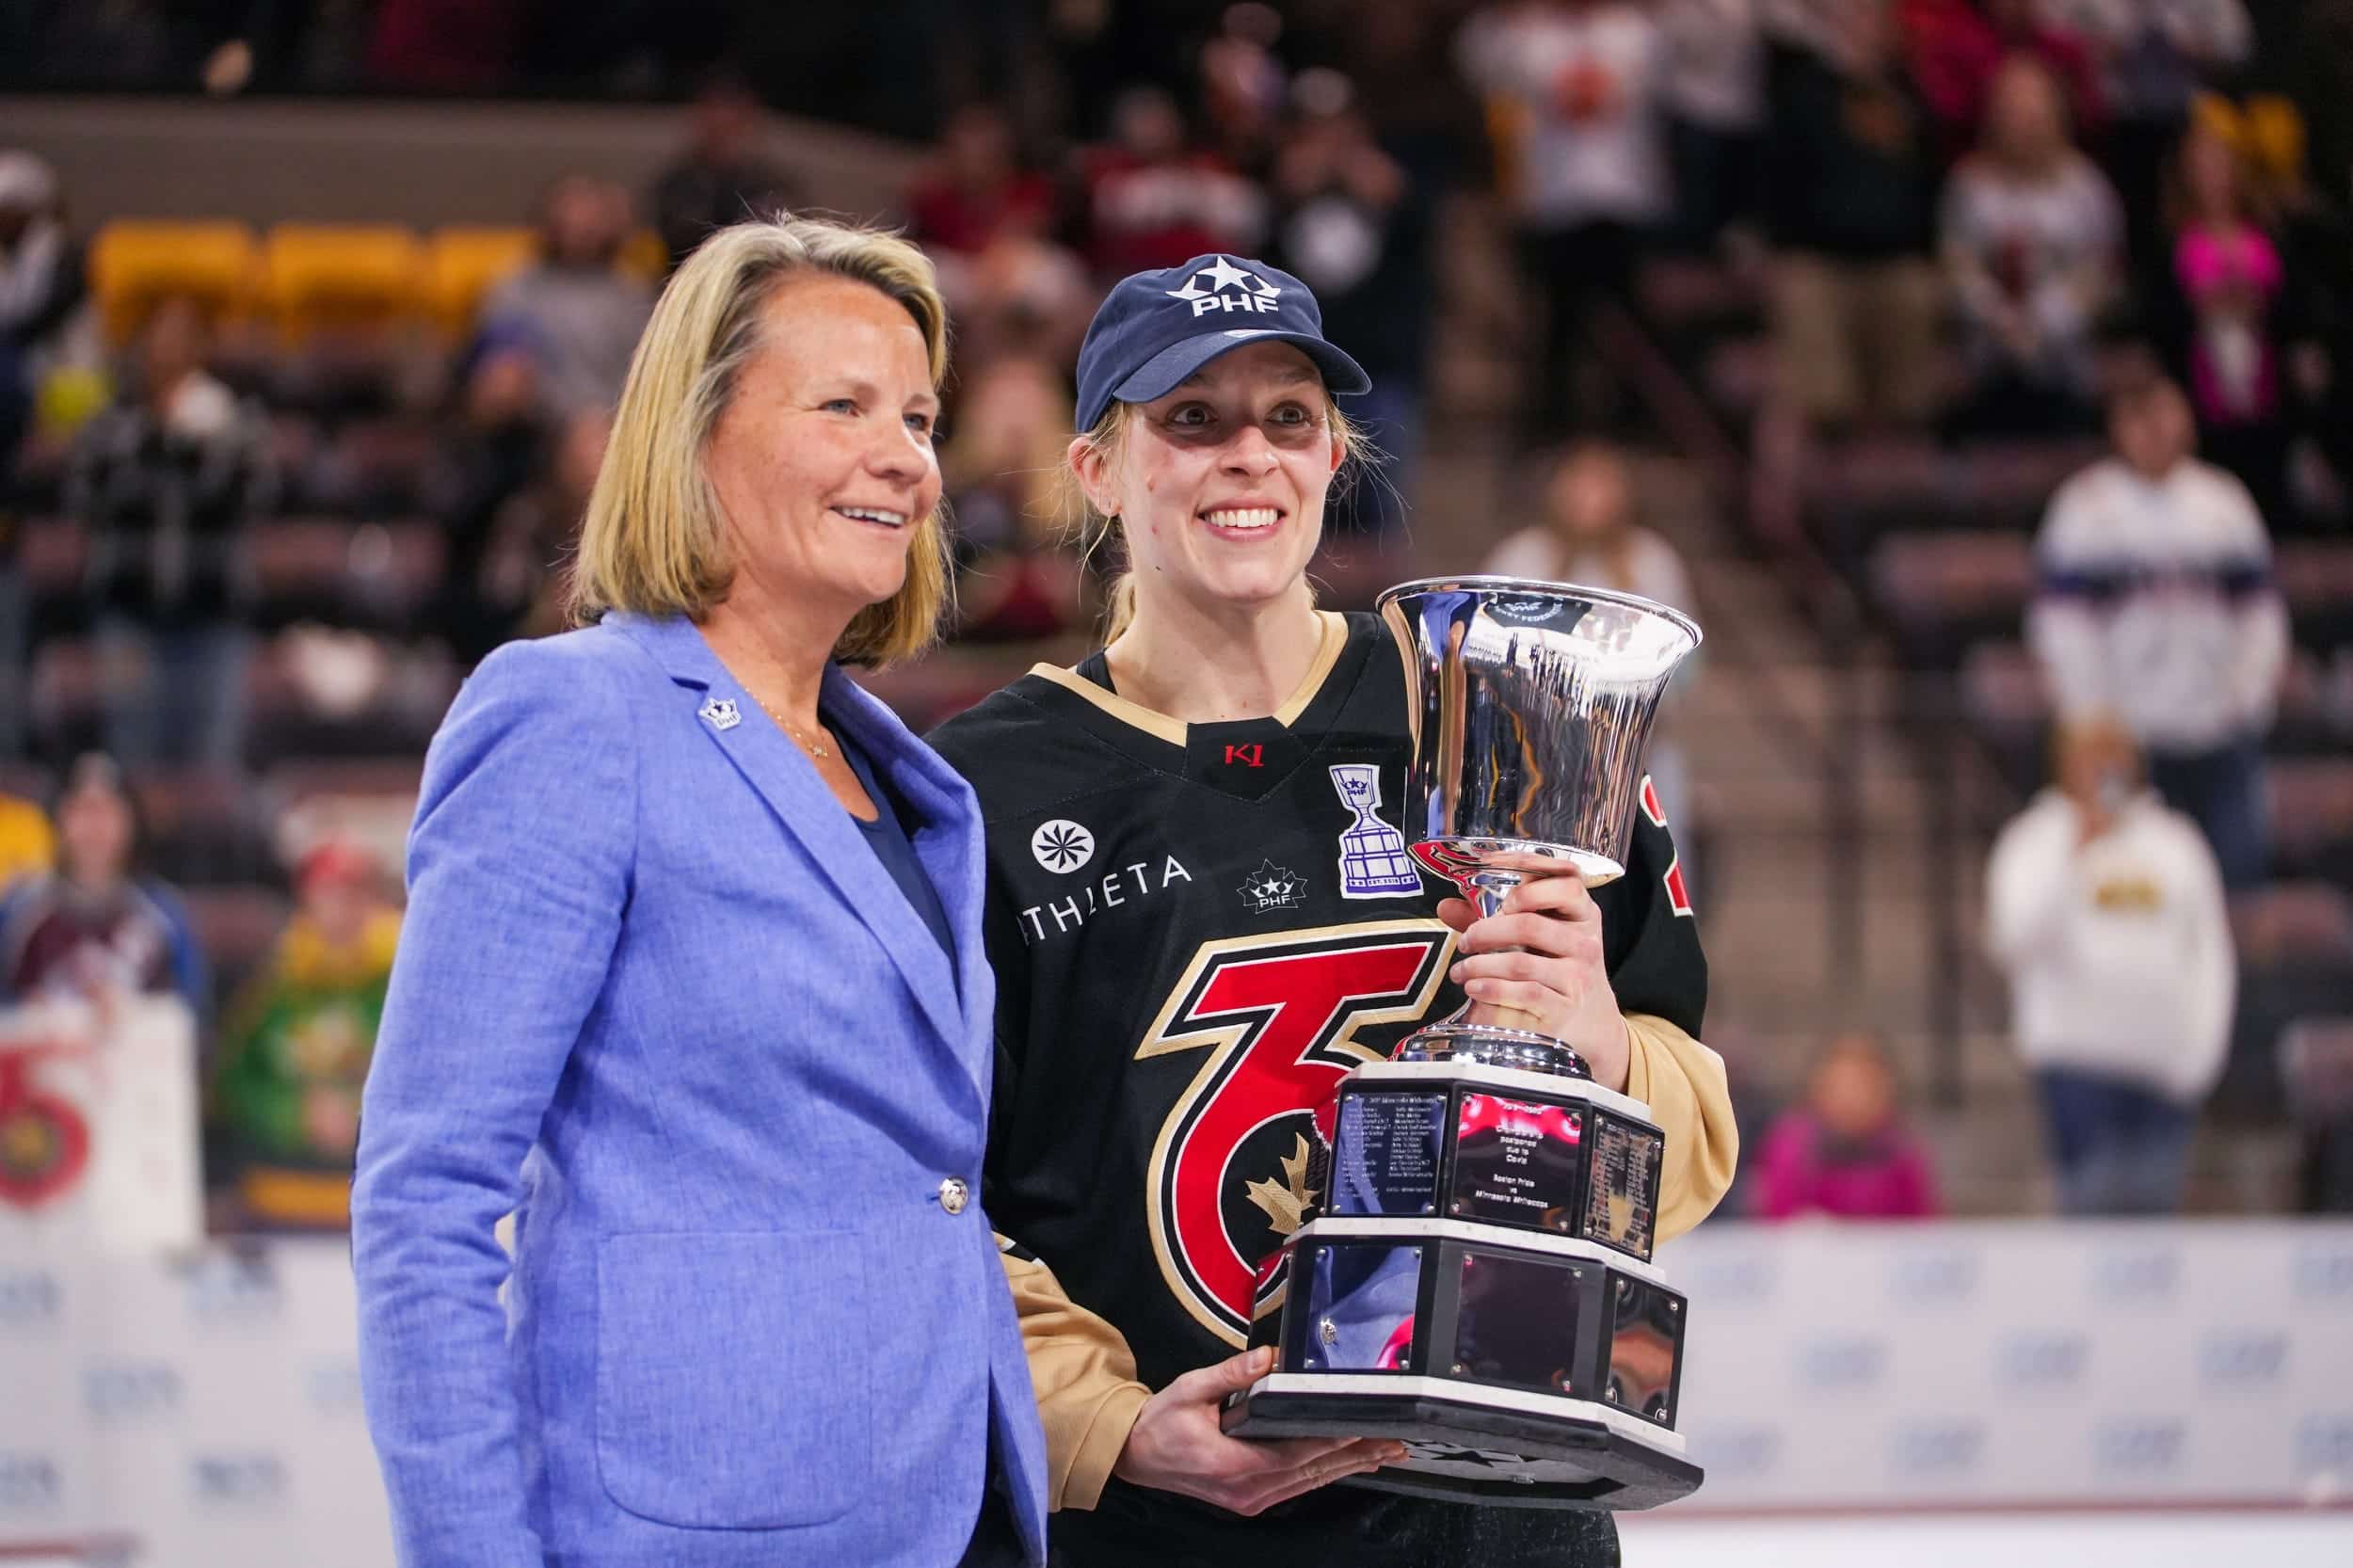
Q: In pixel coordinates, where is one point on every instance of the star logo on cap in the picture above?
(1222, 275)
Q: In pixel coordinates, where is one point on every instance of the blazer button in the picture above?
(954, 1194)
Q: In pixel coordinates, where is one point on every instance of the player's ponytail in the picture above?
(1098, 528)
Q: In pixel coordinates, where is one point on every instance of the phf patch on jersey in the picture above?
(1374, 862)
(1678, 895)
(1278, 1016)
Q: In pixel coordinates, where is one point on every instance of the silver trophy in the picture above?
(1532, 704)
(1477, 1280)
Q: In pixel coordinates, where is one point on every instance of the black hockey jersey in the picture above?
(1197, 931)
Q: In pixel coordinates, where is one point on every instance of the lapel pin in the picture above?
(721, 712)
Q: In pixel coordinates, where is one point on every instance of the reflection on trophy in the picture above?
(1478, 1284)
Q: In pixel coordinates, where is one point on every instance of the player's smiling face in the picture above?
(1219, 486)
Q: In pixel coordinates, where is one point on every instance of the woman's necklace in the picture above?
(815, 748)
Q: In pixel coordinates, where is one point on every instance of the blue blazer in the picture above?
(656, 995)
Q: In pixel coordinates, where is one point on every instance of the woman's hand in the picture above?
(1558, 978)
(1176, 1446)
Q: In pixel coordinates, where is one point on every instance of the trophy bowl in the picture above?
(1476, 1280)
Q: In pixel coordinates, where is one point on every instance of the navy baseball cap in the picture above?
(1155, 329)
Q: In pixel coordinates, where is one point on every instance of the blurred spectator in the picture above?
(1820, 27)
(28, 845)
(2104, 909)
(1349, 225)
(2229, 276)
(2155, 605)
(1242, 89)
(1857, 302)
(165, 483)
(1592, 534)
(1017, 577)
(2152, 56)
(1846, 1152)
(45, 289)
(296, 1046)
(495, 448)
(722, 177)
(521, 575)
(1579, 84)
(1715, 90)
(2316, 1069)
(94, 929)
(574, 310)
(975, 186)
(1153, 201)
(987, 223)
(453, 46)
(2029, 232)
(1958, 51)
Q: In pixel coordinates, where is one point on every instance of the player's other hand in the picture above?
(1176, 1446)
(1541, 957)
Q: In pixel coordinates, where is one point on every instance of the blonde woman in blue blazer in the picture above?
(692, 982)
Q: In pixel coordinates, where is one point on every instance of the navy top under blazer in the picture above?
(657, 997)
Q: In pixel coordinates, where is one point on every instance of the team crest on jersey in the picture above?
(1062, 845)
(1231, 288)
(1232, 1171)
(1271, 888)
(1678, 893)
(1374, 862)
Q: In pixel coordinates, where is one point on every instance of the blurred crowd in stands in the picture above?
(2027, 321)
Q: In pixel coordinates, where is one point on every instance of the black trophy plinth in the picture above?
(1477, 1285)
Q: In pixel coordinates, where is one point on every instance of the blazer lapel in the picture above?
(949, 844)
(777, 767)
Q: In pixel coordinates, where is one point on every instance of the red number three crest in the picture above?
(1678, 896)
(1280, 1014)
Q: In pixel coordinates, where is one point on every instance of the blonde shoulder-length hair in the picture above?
(652, 540)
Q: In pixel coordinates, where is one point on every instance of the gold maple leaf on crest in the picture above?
(1285, 1201)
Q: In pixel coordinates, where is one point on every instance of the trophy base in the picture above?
(1473, 1445)
(1455, 1039)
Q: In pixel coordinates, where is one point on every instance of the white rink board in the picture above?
(209, 1406)
(2315, 1540)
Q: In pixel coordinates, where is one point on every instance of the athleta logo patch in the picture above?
(1678, 895)
(1251, 755)
(1250, 291)
(1374, 862)
(1279, 1016)
(1062, 845)
(1117, 886)
(1272, 887)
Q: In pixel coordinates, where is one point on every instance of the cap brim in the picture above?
(1166, 371)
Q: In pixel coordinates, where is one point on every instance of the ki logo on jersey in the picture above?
(1271, 888)
(1062, 845)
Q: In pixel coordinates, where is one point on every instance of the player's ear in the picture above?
(1090, 464)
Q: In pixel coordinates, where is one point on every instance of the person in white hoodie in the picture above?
(2104, 908)
(2157, 605)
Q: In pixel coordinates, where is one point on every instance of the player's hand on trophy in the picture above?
(1176, 1446)
(1541, 956)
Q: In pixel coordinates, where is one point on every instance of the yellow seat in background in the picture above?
(463, 264)
(319, 275)
(643, 256)
(136, 263)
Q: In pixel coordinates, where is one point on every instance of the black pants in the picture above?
(994, 1542)
(1573, 271)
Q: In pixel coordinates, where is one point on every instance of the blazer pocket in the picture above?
(731, 1377)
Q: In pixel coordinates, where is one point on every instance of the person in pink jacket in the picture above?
(1845, 1151)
